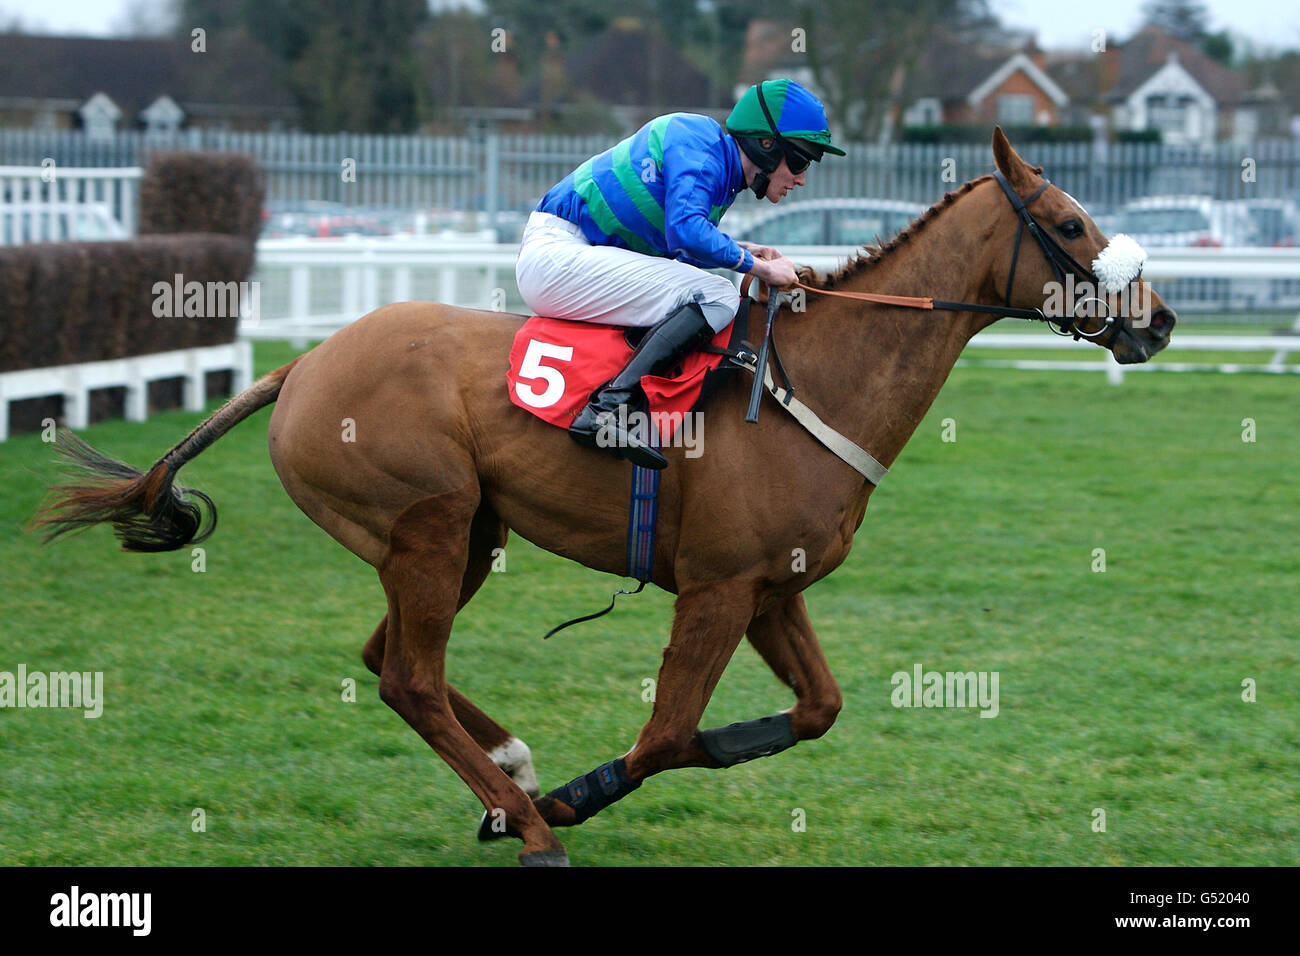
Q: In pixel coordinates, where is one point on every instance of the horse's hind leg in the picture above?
(784, 638)
(487, 535)
(422, 576)
(504, 749)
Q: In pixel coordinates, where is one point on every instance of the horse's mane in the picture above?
(870, 254)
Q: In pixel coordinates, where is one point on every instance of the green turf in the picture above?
(1119, 690)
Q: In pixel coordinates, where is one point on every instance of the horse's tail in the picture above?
(147, 511)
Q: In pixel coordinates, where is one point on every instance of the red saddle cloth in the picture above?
(555, 365)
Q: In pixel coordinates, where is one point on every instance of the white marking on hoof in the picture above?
(516, 760)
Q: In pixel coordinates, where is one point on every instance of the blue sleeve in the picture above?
(691, 178)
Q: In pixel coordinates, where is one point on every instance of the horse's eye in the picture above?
(1071, 229)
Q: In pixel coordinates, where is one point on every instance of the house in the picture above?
(1162, 83)
(963, 83)
(1150, 82)
(106, 86)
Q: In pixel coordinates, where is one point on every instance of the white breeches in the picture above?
(563, 276)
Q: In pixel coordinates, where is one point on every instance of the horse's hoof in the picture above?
(544, 858)
(486, 833)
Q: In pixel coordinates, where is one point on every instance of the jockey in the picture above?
(625, 238)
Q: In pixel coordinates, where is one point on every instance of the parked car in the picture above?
(1276, 221)
(1182, 221)
(324, 220)
(831, 222)
(58, 222)
(305, 218)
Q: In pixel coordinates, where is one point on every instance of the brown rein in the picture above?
(906, 301)
(903, 301)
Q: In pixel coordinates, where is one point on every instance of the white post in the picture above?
(299, 304)
(1114, 371)
(195, 385)
(369, 287)
(351, 291)
(76, 404)
(447, 284)
(402, 284)
(137, 394)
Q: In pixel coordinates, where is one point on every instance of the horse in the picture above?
(440, 465)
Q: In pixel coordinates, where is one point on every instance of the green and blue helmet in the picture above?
(791, 117)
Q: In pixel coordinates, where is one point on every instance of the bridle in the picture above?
(1060, 262)
(862, 461)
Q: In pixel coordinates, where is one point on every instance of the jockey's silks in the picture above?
(660, 192)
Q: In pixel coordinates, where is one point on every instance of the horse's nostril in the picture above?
(1162, 322)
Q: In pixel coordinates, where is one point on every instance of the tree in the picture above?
(351, 66)
(1181, 19)
(861, 52)
(1218, 46)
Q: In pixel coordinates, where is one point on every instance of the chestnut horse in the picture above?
(440, 464)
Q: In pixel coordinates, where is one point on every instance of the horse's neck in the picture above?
(872, 371)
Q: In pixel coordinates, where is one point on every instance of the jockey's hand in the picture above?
(779, 272)
(760, 252)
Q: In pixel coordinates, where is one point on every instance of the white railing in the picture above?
(134, 373)
(1282, 346)
(35, 201)
(311, 288)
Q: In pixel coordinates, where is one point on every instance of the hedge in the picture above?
(68, 302)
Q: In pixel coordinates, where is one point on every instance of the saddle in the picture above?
(557, 364)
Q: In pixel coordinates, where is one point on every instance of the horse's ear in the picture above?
(1009, 162)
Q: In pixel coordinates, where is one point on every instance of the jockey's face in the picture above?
(781, 181)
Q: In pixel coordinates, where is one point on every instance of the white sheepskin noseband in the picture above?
(1119, 263)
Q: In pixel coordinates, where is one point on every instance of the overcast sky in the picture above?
(1275, 23)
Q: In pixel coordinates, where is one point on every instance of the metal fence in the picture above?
(502, 175)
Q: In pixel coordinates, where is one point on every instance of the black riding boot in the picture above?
(666, 342)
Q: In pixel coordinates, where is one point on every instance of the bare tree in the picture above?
(862, 52)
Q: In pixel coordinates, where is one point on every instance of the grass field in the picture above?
(1120, 691)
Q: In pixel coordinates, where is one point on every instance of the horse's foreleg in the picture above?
(784, 638)
(422, 575)
(708, 624)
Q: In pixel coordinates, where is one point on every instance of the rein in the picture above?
(847, 451)
(1057, 258)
